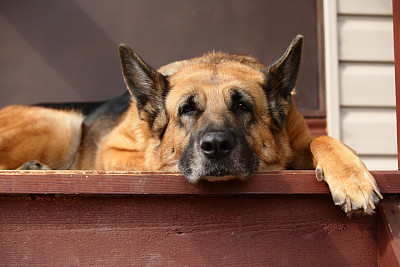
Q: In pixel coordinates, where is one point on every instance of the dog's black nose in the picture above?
(217, 145)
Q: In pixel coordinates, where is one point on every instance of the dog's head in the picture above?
(217, 116)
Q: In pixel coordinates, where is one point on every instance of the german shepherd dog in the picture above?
(215, 117)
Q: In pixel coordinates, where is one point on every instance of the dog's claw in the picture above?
(378, 193)
(348, 205)
(319, 173)
(371, 204)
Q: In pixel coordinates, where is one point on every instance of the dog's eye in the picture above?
(188, 109)
(241, 106)
(240, 102)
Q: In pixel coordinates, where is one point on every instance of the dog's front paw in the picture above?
(352, 186)
(353, 189)
(33, 165)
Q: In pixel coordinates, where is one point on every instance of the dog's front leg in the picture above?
(351, 184)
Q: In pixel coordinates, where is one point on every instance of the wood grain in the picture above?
(271, 230)
(142, 183)
(388, 232)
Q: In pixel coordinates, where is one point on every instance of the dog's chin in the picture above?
(213, 178)
(224, 170)
(195, 175)
(224, 178)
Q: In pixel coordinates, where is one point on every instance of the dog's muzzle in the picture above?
(217, 154)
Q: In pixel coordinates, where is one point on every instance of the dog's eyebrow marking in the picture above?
(187, 106)
(237, 95)
(189, 100)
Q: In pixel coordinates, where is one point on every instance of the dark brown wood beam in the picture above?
(388, 233)
(112, 182)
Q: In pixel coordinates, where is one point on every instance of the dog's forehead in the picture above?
(209, 78)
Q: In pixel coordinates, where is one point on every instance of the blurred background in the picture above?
(67, 50)
(62, 51)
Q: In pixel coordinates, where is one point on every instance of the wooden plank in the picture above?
(96, 182)
(369, 131)
(389, 233)
(365, 39)
(134, 183)
(367, 85)
(183, 231)
(365, 7)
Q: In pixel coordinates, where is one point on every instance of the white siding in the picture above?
(365, 7)
(368, 39)
(369, 85)
(380, 162)
(367, 117)
(370, 131)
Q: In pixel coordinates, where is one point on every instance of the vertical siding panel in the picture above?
(331, 69)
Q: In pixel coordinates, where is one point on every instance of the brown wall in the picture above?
(67, 50)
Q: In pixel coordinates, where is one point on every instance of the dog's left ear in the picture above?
(147, 86)
(280, 80)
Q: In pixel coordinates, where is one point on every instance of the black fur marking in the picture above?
(188, 109)
(84, 107)
(111, 109)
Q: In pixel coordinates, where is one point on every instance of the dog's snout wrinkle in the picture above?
(217, 145)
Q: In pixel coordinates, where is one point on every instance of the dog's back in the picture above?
(61, 135)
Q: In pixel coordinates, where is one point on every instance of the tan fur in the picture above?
(351, 185)
(35, 133)
(52, 137)
(130, 146)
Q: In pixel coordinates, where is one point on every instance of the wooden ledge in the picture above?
(273, 219)
(159, 183)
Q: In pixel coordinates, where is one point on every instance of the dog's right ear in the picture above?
(281, 79)
(147, 86)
